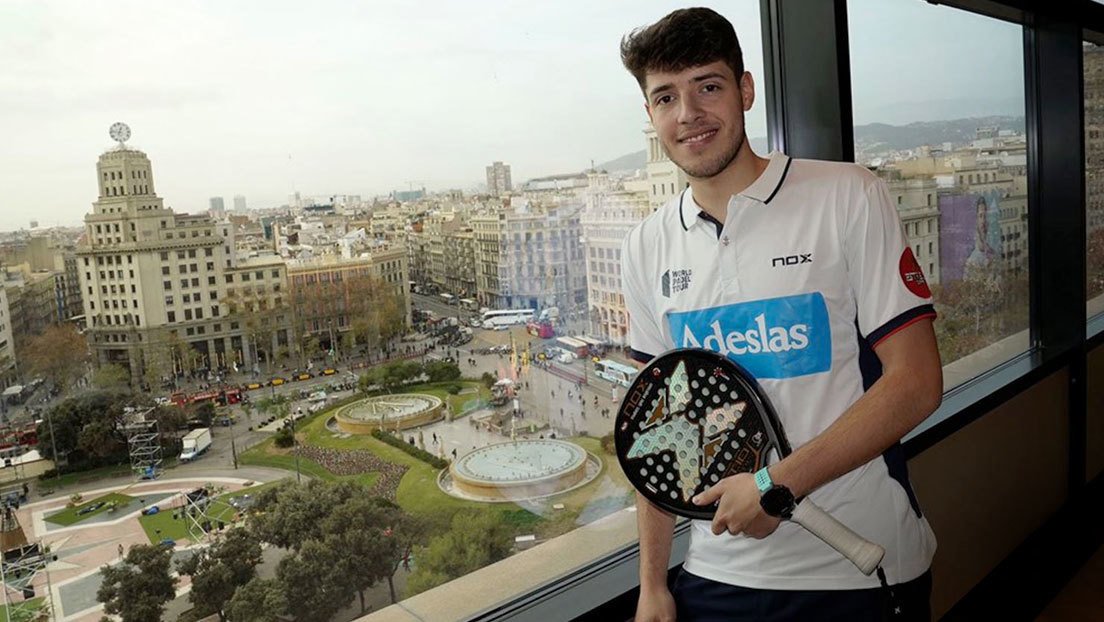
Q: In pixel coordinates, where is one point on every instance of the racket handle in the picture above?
(863, 553)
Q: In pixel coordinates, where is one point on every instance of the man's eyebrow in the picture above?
(708, 76)
(705, 76)
(660, 89)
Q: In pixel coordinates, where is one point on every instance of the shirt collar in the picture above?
(762, 190)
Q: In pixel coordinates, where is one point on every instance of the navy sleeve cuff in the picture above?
(901, 321)
(640, 357)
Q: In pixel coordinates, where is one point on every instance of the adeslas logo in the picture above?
(773, 338)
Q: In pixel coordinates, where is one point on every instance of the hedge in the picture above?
(413, 450)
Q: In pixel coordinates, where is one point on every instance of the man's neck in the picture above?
(713, 194)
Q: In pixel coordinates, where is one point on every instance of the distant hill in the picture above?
(880, 136)
(627, 162)
(872, 137)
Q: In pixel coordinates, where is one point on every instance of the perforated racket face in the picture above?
(691, 418)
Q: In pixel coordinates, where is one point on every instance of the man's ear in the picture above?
(648, 109)
(747, 90)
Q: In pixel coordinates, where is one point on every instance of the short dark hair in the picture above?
(684, 38)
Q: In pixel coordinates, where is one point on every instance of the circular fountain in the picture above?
(389, 413)
(519, 470)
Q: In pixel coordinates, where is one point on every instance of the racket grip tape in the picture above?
(864, 554)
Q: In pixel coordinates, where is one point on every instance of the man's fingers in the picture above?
(708, 496)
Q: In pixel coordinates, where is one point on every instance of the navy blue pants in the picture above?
(704, 600)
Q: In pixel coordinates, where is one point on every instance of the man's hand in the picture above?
(655, 605)
(738, 510)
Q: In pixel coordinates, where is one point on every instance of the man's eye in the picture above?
(710, 88)
(666, 99)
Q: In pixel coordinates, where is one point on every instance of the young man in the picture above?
(816, 249)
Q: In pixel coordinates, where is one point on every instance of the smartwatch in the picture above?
(775, 499)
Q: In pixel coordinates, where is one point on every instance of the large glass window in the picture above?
(1094, 175)
(939, 115)
(452, 165)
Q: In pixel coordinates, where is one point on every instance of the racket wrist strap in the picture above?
(763, 480)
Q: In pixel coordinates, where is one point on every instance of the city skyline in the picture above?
(343, 101)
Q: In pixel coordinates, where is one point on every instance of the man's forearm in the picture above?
(892, 407)
(656, 529)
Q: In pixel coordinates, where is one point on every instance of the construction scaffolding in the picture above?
(204, 512)
(20, 568)
(143, 434)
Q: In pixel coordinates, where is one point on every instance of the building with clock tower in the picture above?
(156, 284)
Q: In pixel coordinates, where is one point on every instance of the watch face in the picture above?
(778, 501)
(120, 132)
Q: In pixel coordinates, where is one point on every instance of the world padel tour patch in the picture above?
(912, 275)
(774, 338)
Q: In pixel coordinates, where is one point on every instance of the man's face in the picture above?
(698, 114)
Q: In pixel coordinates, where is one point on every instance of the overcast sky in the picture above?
(264, 98)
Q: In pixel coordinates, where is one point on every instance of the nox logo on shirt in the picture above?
(774, 338)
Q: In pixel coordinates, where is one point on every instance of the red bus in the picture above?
(222, 397)
(543, 330)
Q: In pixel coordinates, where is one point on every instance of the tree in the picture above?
(258, 320)
(488, 379)
(138, 589)
(315, 582)
(157, 366)
(204, 412)
(259, 600)
(442, 371)
(220, 569)
(289, 514)
(474, 541)
(284, 438)
(59, 354)
(89, 425)
(111, 377)
(374, 535)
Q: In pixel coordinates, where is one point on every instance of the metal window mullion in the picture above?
(808, 84)
(1053, 78)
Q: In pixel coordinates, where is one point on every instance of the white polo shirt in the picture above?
(809, 271)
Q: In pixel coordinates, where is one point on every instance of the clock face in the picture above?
(120, 132)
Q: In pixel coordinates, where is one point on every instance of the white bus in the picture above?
(615, 372)
(467, 303)
(596, 346)
(506, 317)
(448, 298)
(576, 347)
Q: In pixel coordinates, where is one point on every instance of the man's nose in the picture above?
(689, 110)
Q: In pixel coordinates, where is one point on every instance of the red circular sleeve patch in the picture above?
(912, 275)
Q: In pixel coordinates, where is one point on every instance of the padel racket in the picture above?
(693, 417)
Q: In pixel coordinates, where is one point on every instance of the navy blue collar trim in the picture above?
(682, 197)
(781, 179)
(716, 223)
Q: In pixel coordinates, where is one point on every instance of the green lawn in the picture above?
(418, 492)
(69, 516)
(266, 454)
(25, 613)
(81, 477)
(163, 525)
